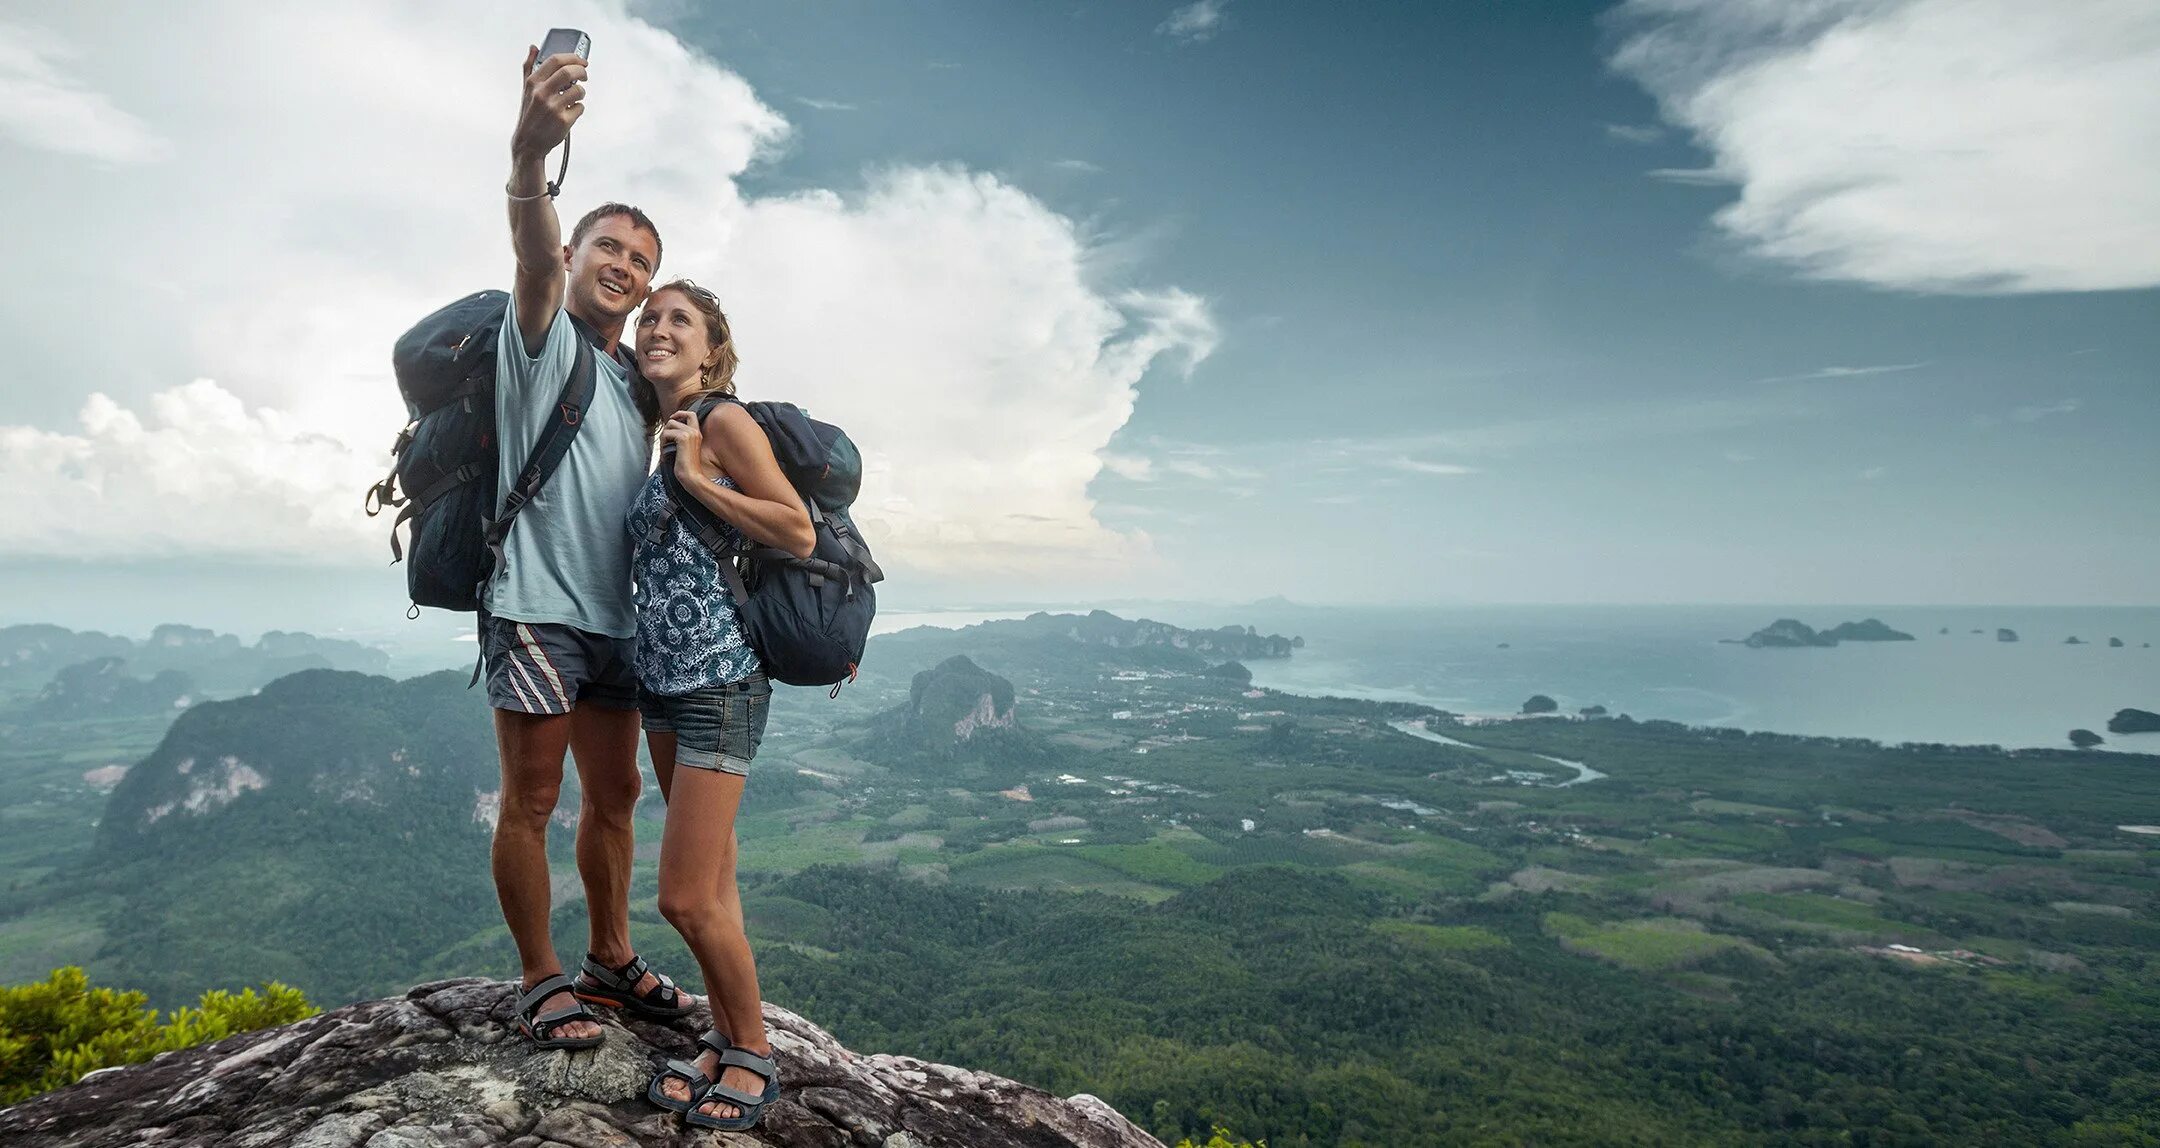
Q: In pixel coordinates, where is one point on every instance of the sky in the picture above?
(1658, 301)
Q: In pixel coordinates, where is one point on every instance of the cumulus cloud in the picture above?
(202, 475)
(1195, 22)
(952, 322)
(1984, 146)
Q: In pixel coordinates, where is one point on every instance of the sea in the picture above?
(1954, 683)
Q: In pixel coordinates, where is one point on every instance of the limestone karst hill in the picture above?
(442, 1067)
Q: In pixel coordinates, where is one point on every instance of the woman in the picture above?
(700, 687)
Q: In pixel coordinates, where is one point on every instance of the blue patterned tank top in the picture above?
(688, 634)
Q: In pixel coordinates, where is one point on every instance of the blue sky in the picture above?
(1440, 221)
(1843, 301)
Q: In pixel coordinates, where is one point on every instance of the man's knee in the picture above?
(612, 802)
(530, 806)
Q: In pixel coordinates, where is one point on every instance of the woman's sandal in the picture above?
(541, 1028)
(617, 988)
(689, 1073)
(752, 1105)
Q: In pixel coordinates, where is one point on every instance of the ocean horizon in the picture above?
(1955, 683)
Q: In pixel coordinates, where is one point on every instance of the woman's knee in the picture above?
(689, 909)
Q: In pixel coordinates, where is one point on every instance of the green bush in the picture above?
(1221, 1139)
(56, 1031)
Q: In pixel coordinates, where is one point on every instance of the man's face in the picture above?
(611, 271)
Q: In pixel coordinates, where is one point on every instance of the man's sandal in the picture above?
(617, 988)
(752, 1105)
(541, 1028)
(689, 1073)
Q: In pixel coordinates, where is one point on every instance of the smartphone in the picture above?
(560, 40)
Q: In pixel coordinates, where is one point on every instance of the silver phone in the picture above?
(560, 40)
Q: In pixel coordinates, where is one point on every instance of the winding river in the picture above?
(1417, 729)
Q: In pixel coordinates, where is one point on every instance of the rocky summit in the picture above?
(444, 1066)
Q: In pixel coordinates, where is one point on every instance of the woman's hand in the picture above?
(681, 432)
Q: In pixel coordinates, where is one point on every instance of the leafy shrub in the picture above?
(56, 1031)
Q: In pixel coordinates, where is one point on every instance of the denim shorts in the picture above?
(718, 727)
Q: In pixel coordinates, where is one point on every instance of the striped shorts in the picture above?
(548, 667)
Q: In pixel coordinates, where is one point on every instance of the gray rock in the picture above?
(442, 1068)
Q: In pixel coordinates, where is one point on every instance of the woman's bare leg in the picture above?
(699, 896)
(662, 746)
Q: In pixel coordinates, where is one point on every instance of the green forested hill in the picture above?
(322, 833)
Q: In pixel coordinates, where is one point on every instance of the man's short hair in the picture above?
(637, 219)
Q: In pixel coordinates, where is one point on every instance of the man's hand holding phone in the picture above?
(554, 99)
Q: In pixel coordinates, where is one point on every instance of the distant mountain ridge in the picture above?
(214, 662)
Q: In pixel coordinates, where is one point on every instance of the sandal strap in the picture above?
(717, 1041)
(734, 1096)
(624, 979)
(691, 1075)
(542, 991)
(744, 1058)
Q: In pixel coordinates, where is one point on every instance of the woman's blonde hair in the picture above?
(718, 379)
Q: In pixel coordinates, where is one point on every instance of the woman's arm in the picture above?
(765, 508)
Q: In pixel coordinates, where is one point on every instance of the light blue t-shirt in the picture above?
(567, 559)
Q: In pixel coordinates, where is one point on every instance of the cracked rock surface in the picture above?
(444, 1067)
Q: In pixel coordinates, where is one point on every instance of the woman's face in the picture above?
(672, 341)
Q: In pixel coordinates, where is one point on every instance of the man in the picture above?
(557, 625)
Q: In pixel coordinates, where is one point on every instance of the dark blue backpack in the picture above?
(444, 463)
(807, 618)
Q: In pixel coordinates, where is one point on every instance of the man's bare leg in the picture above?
(604, 743)
(531, 747)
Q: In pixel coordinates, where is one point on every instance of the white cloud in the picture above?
(43, 107)
(1079, 165)
(1416, 466)
(1195, 22)
(201, 476)
(2035, 413)
(953, 323)
(1836, 372)
(1874, 472)
(824, 105)
(1635, 133)
(1931, 145)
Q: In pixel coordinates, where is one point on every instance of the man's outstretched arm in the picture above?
(554, 99)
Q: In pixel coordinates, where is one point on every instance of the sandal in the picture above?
(752, 1105)
(541, 1028)
(689, 1072)
(617, 988)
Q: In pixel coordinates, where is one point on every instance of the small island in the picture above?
(1540, 704)
(1791, 633)
(2085, 738)
(2006, 634)
(2073, 640)
(2115, 643)
(2134, 721)
(1593, 711)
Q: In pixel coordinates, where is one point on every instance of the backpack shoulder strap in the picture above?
(699, 521)
(547, 454)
